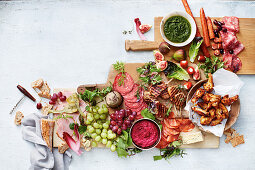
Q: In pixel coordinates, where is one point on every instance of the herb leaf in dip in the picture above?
(177, 29)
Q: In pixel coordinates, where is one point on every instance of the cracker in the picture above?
(18, 117)
(45, 109)
(45, 88)
(37, 84)
(63, 147)
(237, 140)
(228, 138)
(44, 95)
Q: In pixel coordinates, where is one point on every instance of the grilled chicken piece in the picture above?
(202, 105)
(179, 100)
(198, 94)
(216, 122)
(208, 86)
(201, 112)
(165, 94)
(157, 89)
(212, 112)
(205, 120)
(148, 97)
(206, 98)
(158, 108)
(218, 113)
(215, 100)
(227, 101)
(172, 91)
(225, 112)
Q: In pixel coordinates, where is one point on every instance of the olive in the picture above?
(231, 51)
(224, 29)
(216, 33)
(215, 22)
(221, 51)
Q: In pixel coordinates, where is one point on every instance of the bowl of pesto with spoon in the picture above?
(178, 28)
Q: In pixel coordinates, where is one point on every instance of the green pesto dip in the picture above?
(177, 29)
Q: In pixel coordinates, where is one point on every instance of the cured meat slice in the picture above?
(134, 105)
(184, 121)
(229, 40)
(172, 123)
(172, 138)
(131, 95)
(227, 58)
(231, 23)
(238, 48)
(187, 127)
(236, 64)
(171, 131)
(126, 87)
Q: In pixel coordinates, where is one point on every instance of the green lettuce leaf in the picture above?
(193, 50)
(175, 71)
(147, 114)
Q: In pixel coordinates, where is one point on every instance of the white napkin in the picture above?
(225, 82)
(41, 157)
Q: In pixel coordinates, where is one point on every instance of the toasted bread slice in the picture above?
(47, 127)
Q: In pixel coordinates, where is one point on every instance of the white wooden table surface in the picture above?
(69, 43)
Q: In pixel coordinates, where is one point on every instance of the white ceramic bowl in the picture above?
(192, 24)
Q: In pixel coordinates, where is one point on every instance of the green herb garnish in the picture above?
(120, 67)
(169, 110)
(211, 65)
(149, 74)
(90, 96)
(81, 129)
(147, 114)
(170, 151)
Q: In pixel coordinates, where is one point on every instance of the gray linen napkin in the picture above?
(41, 157)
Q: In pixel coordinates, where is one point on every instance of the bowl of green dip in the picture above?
(178, 28)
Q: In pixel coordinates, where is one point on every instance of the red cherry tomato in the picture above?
(184, 63)
(201, 58)
(191, 70)
(187, 85)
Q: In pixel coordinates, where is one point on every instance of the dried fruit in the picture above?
(164, 47)
(158, 56)
(162, 65)
(144, 28)
(179, 55)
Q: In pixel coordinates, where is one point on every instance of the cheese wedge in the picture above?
(47, 127)
(191, 137)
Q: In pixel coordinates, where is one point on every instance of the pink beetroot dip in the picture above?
(144, 133)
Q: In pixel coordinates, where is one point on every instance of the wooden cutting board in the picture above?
(246, 36)
(210, 141)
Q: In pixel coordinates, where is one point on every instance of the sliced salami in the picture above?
(131, 96)
(236, 64)
(231, 23)
(127, 85)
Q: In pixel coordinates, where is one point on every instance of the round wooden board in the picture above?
(235, 107)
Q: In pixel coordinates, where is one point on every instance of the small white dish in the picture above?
(192, 25)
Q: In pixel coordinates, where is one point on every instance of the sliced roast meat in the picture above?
(127, 85)
(231, 23)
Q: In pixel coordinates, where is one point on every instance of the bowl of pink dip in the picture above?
(145, 134)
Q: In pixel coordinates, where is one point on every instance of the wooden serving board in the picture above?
(245, 36)
(210, 141)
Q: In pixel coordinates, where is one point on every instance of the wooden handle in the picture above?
(141, 45)
(25, 92)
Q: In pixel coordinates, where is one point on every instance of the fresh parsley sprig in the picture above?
(211, 65)
(120, 67)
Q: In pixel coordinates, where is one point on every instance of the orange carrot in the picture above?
(203, 47)
(210, 28)
(204, 27)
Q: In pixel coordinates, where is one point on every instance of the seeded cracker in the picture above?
(63, 147)
(233, 137)
(37, 84)
(46, 109)
(18, 117)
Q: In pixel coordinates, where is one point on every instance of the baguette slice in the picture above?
(47, 127)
